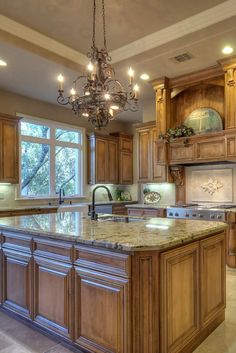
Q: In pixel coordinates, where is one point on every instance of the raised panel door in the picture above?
(126, 168)
(213, 268)
(180, 153)
(102, 312)
(101, 160)
(17, 282)
(10, 152)
(144, 156)
(112, 162)
(53, 296)
(213, 149)
(179, 297)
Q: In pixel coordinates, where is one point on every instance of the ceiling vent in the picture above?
(181, 58)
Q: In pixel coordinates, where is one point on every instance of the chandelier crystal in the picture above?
(98, 95)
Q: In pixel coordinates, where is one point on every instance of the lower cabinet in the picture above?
(179, 297)
(17, 293)
(192, 291)
(98, 328)
(53, 295)
(212, 275)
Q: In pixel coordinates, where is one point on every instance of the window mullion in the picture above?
(52, 163)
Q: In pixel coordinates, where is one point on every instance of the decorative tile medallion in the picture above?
(211, 186)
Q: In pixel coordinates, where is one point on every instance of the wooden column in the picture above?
(229, 66)
(161, 86)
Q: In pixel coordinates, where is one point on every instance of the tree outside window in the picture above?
(51, 158)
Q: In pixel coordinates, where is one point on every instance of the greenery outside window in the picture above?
(51, 157)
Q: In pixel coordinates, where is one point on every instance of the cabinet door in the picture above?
(101, 160)
(17, 282)
(144, 156)
(112, 162)
(102, 312)
(158, 159)
(179, 297)
(10, 152)
(126, 168)
(53, 296)
(213, 269)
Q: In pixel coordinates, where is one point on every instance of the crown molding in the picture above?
(190, 25)
(40, 40)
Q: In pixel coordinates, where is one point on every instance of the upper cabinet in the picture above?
(9, 149)
(110, 159)
(151, 155)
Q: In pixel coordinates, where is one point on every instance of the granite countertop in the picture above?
(145, 205)
(76, 227)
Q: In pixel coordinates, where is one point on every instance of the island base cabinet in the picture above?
(179, 298)
(17, 282)
(53, 296)
(213, 274)
(192, 293)
(102, 313)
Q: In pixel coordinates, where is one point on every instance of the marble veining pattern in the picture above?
(155, 233)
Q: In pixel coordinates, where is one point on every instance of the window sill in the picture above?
(49, 198)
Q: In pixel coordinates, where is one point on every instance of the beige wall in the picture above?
(149, 110)
(11, 103)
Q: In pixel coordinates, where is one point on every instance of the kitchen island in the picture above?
(150, 286)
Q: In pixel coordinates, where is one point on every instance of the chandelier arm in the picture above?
(104, 25)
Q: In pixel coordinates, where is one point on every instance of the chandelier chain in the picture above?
(104, 25)
(94, 23)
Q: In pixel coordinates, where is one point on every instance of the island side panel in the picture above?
(145, 302)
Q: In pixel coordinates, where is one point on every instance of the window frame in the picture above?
(53, 125)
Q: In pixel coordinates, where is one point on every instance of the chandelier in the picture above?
(98, 95)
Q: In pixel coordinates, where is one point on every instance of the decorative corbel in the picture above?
(177, 173)
(231, 77)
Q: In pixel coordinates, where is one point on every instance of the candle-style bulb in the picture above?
(90, 67)
(131, 72)
(73, 92)
(60, 80)
(136, 91)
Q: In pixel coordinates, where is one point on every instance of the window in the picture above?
(51, 158)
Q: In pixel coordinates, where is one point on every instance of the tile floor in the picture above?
(16, 337)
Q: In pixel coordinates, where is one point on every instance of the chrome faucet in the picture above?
(93, 213)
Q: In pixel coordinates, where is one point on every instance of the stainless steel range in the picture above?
(200, 212)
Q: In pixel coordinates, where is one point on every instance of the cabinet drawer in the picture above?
(103, 260)
(213, 149)
(155, 212)
(181, 152)
(53, 249)
(135, 212)
(17, 241)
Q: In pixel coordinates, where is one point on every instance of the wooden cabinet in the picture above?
(147, 212)
(151, 156)
(110, 159)
(97, 328)
(180, 298)
(9, 149)
(210, 149)
(17, 273)
(212, 265)
(53, 295)
(125, 158)
(192, 292)
(102, 159)
(181, 152)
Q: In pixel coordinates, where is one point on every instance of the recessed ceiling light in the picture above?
(3, 63)
(227, 50)
(145, 77)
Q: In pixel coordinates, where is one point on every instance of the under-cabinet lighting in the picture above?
(5, 184)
